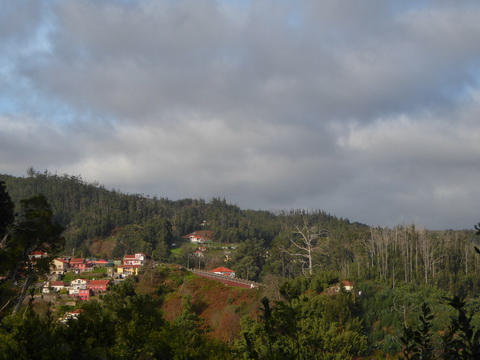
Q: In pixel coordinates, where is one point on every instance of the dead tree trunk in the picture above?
(305, 242)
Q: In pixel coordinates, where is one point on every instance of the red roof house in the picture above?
(200, 237)
(101, 262)
(72, 315)
(223, 271)
(347, 285)
(137, 259)
(80, 264)
(57, 285)
(77, 260)
(98, 285)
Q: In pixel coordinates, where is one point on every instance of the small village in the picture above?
(83, 288)
(73, 280)
(94, 277)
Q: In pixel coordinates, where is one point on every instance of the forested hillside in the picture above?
(91, 213)
(400, 274)
(268, 243)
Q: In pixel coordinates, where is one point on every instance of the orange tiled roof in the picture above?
(221, 269)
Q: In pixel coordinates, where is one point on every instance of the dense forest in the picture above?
(416, 290)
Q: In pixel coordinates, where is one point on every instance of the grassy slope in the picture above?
(220, 306)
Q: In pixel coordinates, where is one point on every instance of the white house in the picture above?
(137, 259)
(347, 285)
(73, 292)
(200, 237)
(37, 255)
(78, 284)
(57, 285)
(223, 271)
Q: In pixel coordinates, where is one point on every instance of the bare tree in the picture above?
(305, 240)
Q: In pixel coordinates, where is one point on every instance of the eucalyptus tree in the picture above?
(304, 242)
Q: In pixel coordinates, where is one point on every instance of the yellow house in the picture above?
(126, 270)
(59, 266)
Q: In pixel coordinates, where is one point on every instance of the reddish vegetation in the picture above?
(220, 306)
(231, 282)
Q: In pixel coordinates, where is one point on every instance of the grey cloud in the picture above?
(19, 19)
(24, 142)
(368, 110)
(46, 145)
(419, 165)
(138, 62)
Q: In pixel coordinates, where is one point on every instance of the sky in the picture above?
(367, 109)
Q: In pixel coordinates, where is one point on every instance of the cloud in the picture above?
(19, 21)
(368, 109)
(423, 164)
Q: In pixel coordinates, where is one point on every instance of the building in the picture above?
(98, 285)
(223, 271)
(57, 285)
(59, 266)
(347, 285)
(200, 237)
(127, 270)
(37, 255)
(84, 294)
(73, 292)
(71, 315)
(137, 259)
(78, 284)
(344, 284)
(99, 263)
(79, 265)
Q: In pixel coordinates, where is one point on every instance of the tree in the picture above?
(33, 231)
(305, 240)
(129, 240)
(462, 339)
(7, 218)
(417, 344)
(157, 233)
(304, 328)
(7, 215)
(249, 259)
